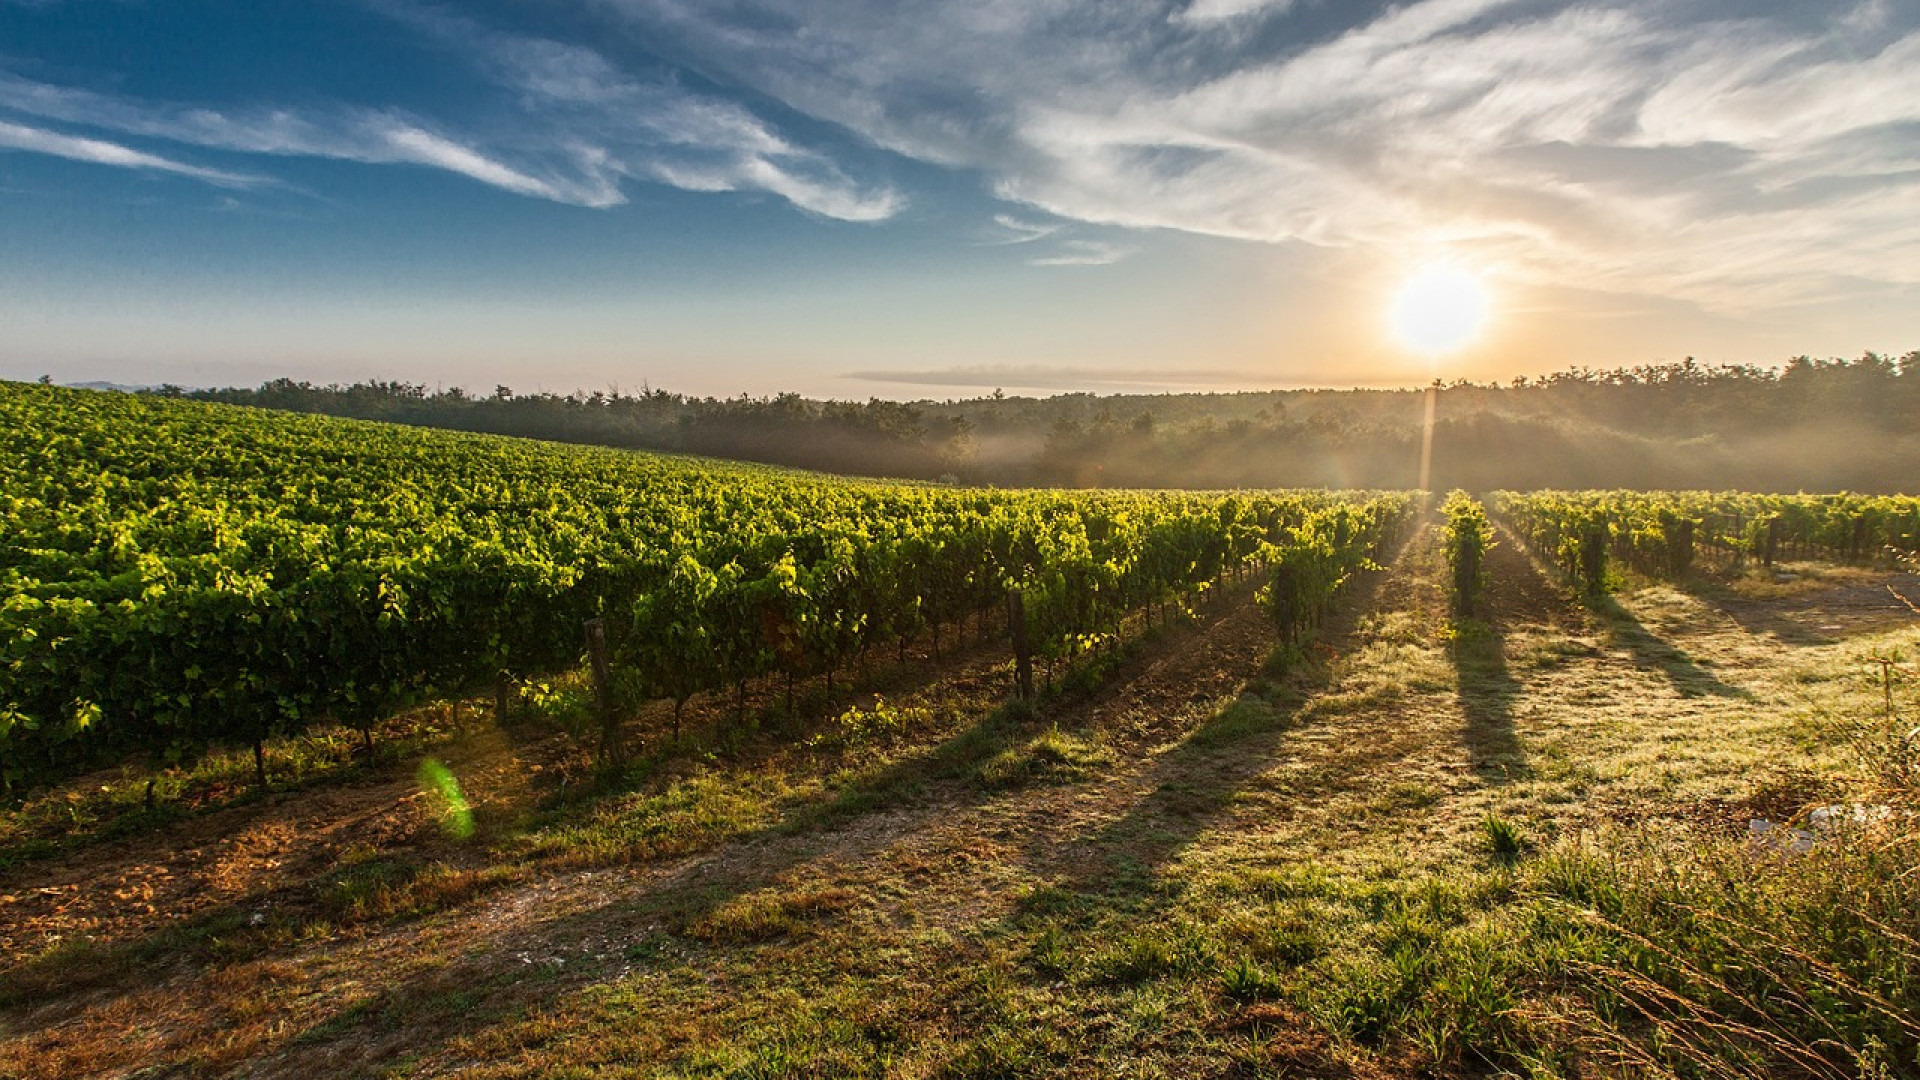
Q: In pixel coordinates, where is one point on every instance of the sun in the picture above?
(1439, 309)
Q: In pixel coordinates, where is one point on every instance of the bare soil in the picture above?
(1385, 748)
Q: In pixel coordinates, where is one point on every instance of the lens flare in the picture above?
(440, 785)
(1439, 309)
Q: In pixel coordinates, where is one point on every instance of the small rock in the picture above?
(1828, 820)
(1774, 835)
(1823, 823)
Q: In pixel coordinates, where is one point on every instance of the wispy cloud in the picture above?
(1205, 11)
(621, 126)
(1015, 230)
(1082, 253)
(101, 152)
(1732, 154)
(416, 145)
(574, 128)
(371, 137)
(1736, 155)
(1052, 243)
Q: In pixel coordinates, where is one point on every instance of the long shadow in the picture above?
(506, 972)
(1487, 691)
(1819, 618)
(425, 1011)
(1194, 784)
(1761, 623)
(469, 993)
(1650, 651)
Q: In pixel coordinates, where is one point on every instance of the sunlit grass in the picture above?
(1404, 859)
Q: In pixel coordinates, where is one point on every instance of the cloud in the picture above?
(1053, 244)
(1082, 253)
(367, 136)
(412, 144)
(1731, 154)
(1205, 11)
(1737, 155)
(573, 128)
(100, 152)
(620, 126)
(1016, 230)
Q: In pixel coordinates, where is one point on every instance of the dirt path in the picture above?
(259, 855)
(236, 857)
(1382, 756)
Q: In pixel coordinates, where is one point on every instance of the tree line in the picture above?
(1806, 424)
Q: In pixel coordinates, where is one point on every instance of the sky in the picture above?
(927, 199)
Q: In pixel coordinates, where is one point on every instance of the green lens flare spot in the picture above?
(441, 786)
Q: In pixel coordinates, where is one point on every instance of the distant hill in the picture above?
(1806, 425)
(123, 388)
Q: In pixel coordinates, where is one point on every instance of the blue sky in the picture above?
(854, 198)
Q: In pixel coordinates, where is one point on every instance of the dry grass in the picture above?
(1199, 868)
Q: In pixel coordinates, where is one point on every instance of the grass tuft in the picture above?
(1503, 838)
(1053, 756)
(1246, 980)
(767, 915)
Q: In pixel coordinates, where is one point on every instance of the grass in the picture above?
(1053, 756)
(134, 799)
(764, 916)
(1512, 847)
(1504, 839)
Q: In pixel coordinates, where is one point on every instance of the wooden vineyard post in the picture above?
(1022, 654)
(611, 748)
(1887, 664)
(1681, 557)
(1593, 558)
(1773, 541)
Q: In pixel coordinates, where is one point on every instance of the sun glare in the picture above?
(1439, 309)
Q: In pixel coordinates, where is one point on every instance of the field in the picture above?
(1379, 835)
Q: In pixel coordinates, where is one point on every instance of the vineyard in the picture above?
(794, 775)
(1667, 535)
(177, 575)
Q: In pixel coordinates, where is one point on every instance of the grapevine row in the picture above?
(1667, 534)
(175, 575)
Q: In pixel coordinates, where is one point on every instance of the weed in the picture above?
(1503, 838)
(769, 914)
(1052, 756)
(689, 815)
(881, 725)
(1247, 980)
(1050, 953)
(1152, 952)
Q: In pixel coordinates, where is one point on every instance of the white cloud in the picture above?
(1082, 253)
(1636, 145)
(348, 135)
(577, 128)
(1205, 11)
(1021, 231)
(626, 127)
(410, 143)
(100, 152)
(1642, 145)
